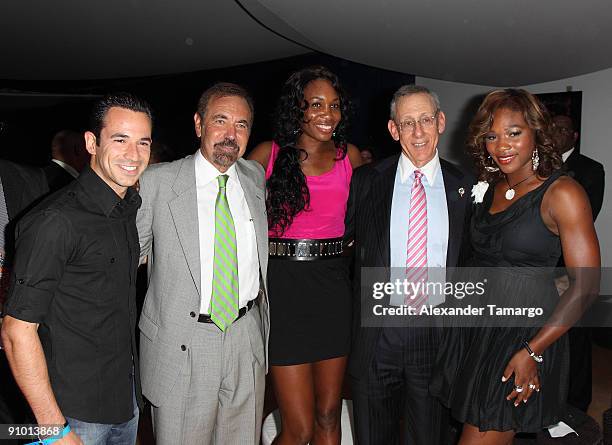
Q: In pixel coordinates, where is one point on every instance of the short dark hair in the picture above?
(224, 89)
(116, 100)
(160, 152)
(560, 110)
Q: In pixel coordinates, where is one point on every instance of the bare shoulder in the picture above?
(354, 155)
(565, 202)
(565, 190)
(261, 153)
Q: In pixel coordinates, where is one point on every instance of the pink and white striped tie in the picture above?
(416, 255)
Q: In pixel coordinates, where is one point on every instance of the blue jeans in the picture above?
(107, 434)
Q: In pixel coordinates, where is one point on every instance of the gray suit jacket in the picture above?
(168, 231)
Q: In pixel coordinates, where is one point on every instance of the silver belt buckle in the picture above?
(302, 250)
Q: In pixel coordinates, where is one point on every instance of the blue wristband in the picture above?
(50, 440)
(64, 432)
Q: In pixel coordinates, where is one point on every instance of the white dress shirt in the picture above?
(207, 188)
(437, 212)
(567, 154)
(69, 168)
(437, 223)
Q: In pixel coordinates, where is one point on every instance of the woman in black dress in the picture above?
(503, 380)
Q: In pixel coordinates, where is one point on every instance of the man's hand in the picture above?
(27, 361)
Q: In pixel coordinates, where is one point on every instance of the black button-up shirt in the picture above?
(75, 274)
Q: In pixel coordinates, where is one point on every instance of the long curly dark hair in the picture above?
(288, 192)
(535, 115)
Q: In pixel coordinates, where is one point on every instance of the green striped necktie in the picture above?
(224, 299)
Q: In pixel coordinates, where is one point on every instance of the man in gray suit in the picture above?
(205, 322)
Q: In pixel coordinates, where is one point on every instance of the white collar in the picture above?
(567, 154)
(430, 170)
(69, 168)
(207, 172)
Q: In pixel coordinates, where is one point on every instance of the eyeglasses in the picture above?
(425, 122)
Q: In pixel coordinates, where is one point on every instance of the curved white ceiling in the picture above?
(68, 39)
(489, 42)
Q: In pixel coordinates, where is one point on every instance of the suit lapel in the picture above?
(456, 211)
(570, 164)
(11, 184)
(382, 192)
(254, 196)
(184, 210)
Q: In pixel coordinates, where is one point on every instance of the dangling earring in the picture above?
(297, 131)
(491, 168)
(535, 159)
(334, 134)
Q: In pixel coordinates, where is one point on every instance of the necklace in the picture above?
(510, 192)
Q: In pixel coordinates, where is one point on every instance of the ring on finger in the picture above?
(532, 386)
(518, 388)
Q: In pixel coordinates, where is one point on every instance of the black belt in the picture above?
(205, 318)
(305, 249)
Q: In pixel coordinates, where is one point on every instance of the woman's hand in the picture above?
(525, 372)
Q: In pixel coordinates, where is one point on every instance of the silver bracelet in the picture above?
(533, 355)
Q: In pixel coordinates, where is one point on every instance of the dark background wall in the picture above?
(29, 121)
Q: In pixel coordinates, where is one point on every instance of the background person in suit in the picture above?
(390, 367)
(367, 156)
(161, 152)
(20, 188)
(68, 158)
(586, 171)
(205, 322)
(590, 175)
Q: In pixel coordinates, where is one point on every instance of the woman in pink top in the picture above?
(308, 169)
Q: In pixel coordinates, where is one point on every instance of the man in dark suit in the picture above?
(68, 158)
(406, 213)
(590, 175)
(20, 188)
(588, 172)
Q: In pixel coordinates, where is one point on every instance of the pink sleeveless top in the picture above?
(328, 196)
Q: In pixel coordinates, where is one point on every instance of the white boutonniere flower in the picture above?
(479, 190)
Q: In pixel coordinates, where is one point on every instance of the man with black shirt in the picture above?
(71, 311)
